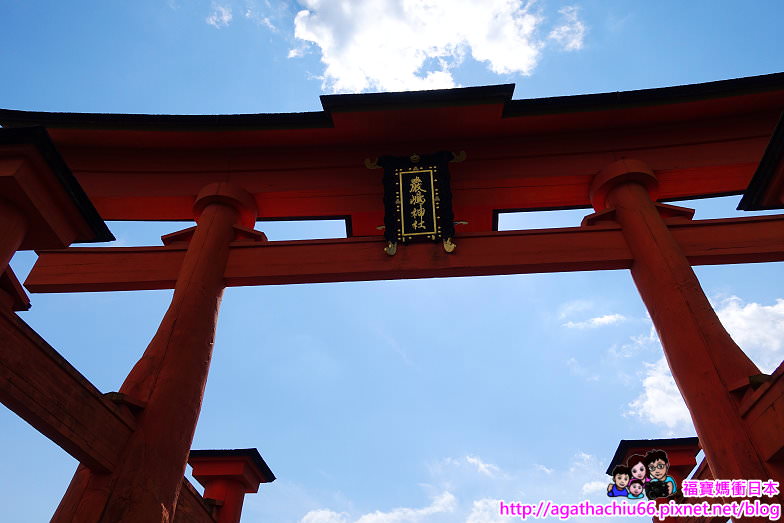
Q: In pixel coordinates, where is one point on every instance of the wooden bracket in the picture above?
(240, 234)
(118, 398)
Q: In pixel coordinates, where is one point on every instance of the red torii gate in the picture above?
(619, 152)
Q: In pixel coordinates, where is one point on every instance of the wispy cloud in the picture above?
(637, 344)
(220, 16)
(544, 469)
(254, 14)
(466, 463)
(593, 487)
(487, 469)
(592, 323)
(584, 479)
(398, 45)
(571, 33)
(324, 516)
(573, 307)
(589, 469)
(444, 503)
(459, 494)
(485, 510)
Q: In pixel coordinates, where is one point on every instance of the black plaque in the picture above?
(417, 198)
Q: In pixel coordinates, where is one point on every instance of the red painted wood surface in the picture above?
(50, 217)
(42, 388)
(13, 227)
(522, 162)
(701, 472)
(600, 247)
(763, 412)
(12, 294)
(191, 507)
(231, 493)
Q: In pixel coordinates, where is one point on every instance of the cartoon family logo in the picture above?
(646, 474)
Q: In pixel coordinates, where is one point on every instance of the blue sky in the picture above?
(519, 388)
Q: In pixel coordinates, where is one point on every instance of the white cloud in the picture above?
(447, 467)
(661, 401)
(220, 16)
(459, 497)
(592, 323)
(485, 510)
(266, 21)
(441, 466)
(758, 329)
(543, 469)
(582, 461)
(487, 469)
(324, 516)
(444, 503)
(408, 45)
(637, 344)
(572, 307)
(594, 487)
(588, 468)
(571, 32)
(251, 13)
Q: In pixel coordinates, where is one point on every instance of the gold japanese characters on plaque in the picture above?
(416, 205)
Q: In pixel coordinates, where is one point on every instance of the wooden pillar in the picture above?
(705, 362)
(230, 494)
(168, 381)
(227, 475)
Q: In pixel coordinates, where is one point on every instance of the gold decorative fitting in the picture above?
(414, 158)
(458, 157)
(391, 248)
(448, 245)
(372, 163)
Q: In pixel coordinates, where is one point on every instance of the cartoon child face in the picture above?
(658, 469)
(621, 480)
(638, 471)
(635, 489)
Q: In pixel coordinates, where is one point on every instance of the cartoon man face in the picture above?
(638, 471)
(635, 489)
(658, 469)
(621, 480)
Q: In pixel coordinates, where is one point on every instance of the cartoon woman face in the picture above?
(638, 471)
